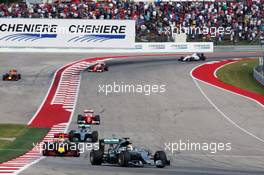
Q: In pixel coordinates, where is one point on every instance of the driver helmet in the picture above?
(61, 138)
(194, 54)
(83, 129)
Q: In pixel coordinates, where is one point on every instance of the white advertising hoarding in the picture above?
(178, 47)
(73, 33)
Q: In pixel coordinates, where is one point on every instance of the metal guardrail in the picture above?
(259, 74)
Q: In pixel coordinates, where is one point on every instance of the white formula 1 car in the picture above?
(193, 57)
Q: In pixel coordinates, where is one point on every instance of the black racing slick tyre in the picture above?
(96, 157)
(71, 134)
(124, 158)
(74, 137)
(97, 118)
(44, 152)
(94, 136)
(45, 148)
(161, 155)
(17, 78)
(79, 118)
(76, 154)
(181, 59)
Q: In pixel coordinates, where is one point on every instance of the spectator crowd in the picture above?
(155, 21)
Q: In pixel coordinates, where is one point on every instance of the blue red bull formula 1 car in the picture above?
(60, 147)
(12, 75)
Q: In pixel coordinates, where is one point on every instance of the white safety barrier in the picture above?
(176, 47)
(138, 48)
(67, 33)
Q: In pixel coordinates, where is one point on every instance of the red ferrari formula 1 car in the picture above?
(88, 118)
(12, 75)
(60, 147)
(98, 67)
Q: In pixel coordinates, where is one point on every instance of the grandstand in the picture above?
(230, 22)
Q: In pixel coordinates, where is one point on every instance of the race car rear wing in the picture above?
(83, 125)
(110, 141)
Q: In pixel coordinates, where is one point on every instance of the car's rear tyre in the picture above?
(96, 157)
(97, 118)
(14, 77)
(181, 59)
(79, 118)
(124, 158)
(77, 154)
(45, 148)
(44, 152)
(75, 139)
(71, 134)
(94, 136)
(161, 155)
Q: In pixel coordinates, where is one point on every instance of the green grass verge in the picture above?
(3, 143)
(240, 74)
(25, 137)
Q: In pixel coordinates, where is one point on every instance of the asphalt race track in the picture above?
(180, 113)
(27, 94)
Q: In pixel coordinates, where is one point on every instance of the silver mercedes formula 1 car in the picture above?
(83, 134)
(121, 152)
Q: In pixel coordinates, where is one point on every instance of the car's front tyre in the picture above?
(124, 158)
(94, 136)
(79, 118)
(96, 157)
(160, 156)
(97, 118)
